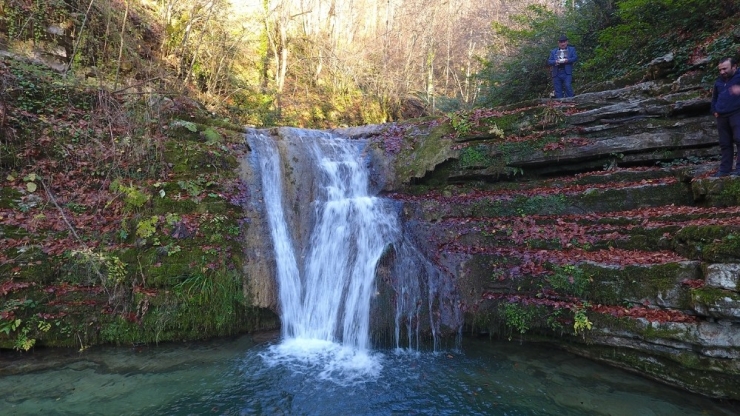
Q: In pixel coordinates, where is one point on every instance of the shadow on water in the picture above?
(240, 377)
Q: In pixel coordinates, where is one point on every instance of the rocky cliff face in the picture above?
(592, 223)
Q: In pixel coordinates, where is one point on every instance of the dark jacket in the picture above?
(723, 102)
(570, 53)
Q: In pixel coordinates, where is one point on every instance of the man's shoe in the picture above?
(721, 174)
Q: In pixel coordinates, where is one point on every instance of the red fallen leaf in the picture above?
(10, 286)
(693, 283)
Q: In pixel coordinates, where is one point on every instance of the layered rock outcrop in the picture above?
(593, 224)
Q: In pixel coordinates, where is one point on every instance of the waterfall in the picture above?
(329, 233)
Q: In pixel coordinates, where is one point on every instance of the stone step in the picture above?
(709, 234)
(574, 199)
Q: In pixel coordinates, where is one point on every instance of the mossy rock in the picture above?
(722, 192)
(423, 153)
(624, 199)
(717, 303)
(658, 284)
(687, 369)
(625, 176)
(31, 264)
(714, 243)
(196, 159)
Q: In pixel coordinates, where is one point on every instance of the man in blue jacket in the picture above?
(726, 109)
(561, 60)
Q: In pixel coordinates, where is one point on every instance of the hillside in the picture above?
(590, 223)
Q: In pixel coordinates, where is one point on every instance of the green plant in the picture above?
(570, 280)
(513, 171)
(172, 218)
(75, 207)
(109, 268)
(146, 228)
(26, 330)
(133, 197)
(199, 283)
(194, 187)
(460, 123)
(173, 249)
(518, 317)
(554, 321)
(614, 158)
(581, 323)
(551, 115)
(497, 131)
(30, 181)
(9, 326)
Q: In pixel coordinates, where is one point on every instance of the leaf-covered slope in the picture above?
(122, 218)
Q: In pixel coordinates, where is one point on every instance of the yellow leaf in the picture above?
(31, 187)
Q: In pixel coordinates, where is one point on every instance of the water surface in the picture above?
(242, 377)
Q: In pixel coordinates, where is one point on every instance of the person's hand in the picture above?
(735, 90)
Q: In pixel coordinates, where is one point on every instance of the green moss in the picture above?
(613, 285)
(658, 331)
(702, 233)
(730, 194)
(642, 239)
(474, 157)
(196, 159)
(174, 203)
(710, 296)
(30, 264)
(509, 123)
(204, 304)
(714, 243)
(519, 206)
(623, 199)
(522, 149)
(625, 176)
(422, 154)
(726, 249)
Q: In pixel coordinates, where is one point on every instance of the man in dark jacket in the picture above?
(561, 60)
(726, 109)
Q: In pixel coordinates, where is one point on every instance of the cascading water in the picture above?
(327, 278)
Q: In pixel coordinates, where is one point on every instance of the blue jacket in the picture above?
(570, 53)
(723, 102)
